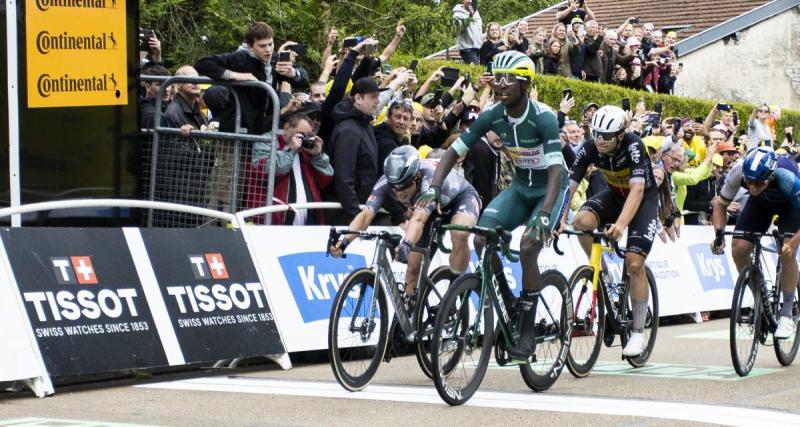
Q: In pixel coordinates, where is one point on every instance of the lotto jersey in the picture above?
(628, 164)
(532, 140)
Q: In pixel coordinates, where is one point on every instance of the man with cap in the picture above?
(353, 149)
(576, 47)
(432, 133)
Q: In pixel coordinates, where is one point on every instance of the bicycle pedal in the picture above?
(529, 360)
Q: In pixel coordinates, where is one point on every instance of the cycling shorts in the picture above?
(468, 202)
(757, 214)
(519, 204)
(606, 207)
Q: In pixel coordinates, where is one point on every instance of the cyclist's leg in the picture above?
(424, 241)
(755, 217)
(466, 209)
(598, 210)
(788, 222)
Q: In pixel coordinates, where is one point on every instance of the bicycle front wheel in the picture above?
(588, 324)
(786, 349)
(357, 331)
(650, 323)
(745, 321)
(460, 355)
(553, 332)
(429, 298)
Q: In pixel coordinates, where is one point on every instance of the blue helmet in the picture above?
(759, 164)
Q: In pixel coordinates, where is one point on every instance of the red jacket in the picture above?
(257, 178)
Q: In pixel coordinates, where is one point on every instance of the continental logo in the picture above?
(47, 85)
(45, 5)
(46, 42)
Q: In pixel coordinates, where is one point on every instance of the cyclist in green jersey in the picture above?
(536, 196)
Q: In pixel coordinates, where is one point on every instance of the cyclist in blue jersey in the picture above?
(773, 182)
(529, 130)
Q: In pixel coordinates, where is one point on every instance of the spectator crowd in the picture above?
(338, 128)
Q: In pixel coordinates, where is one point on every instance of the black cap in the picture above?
(366, 85)
(311, 107)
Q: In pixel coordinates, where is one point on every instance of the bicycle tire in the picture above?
(554, 322)
(745, 324)
(447, 338)
(429, 298)
(786, 349)
(346, 354)
(588, 325)
(651, 322)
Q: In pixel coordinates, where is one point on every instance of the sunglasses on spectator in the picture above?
(763, 110)
(605, 136)
(506, 79)
(401, 101)
(676, 159)
(719, 139)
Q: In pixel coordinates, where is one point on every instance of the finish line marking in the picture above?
(726, 415)
(51, 422)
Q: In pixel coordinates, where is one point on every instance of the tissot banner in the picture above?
(215, 301)
(83, 299)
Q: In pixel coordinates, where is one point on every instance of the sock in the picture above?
(788, 303)
(639, 315)
(530, 299)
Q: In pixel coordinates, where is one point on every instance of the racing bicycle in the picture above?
(756, 306)
(603, 309)
(464, 330)
(359, 327)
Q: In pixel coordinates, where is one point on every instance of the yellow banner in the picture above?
(77, 53)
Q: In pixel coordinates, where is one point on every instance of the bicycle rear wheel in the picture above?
(650, 324)
(745, 321)
(553, 332)
(786, 349)
(588, 323)
(429, 298)
(461, 355)
(357, 335)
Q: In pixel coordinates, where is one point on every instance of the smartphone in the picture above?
(676, 125)
(474, 4)
(144, 39)
(467, 81)
(581, 3)
(655, 120)
(626, 104)
(450, 76)
(386, 68)
(300, 49)
(634, 20)
(698, 119)
(657, 108)
(437, 96)
(723, 107)
(413, 66)
(284, 56)
(352, 41)
(736, 118)
(680, 64)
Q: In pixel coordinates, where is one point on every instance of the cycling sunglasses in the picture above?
(605, 136)
(507, 79)
(402, 186)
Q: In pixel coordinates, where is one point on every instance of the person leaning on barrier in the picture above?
(254, 60)
(302, 171)
(148, 101)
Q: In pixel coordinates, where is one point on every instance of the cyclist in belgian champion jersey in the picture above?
(630, 201)
(405, 177)
(529, 130)
(774, 187)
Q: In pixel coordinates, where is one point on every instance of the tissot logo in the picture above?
(208, 266)
(44, 5)
(74, 270)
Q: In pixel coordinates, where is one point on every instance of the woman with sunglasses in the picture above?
(529, 130)
(631, 202)
(405, 178)
(758, 133)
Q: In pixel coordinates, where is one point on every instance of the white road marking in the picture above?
(723, 334)
(725, 415)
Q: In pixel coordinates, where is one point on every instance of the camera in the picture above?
(299, 48)
(307, 141)
(284, 56)
(144, 39)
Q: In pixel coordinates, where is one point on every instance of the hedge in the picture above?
(551, 88)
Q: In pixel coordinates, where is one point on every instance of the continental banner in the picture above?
(84, 300)
(76, 53)
(213, 296)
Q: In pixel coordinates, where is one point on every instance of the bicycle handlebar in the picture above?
(596, 236)
(392, 239)
(494, 236)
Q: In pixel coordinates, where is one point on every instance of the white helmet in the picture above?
(609, 119)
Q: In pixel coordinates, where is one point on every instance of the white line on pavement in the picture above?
(726, 415)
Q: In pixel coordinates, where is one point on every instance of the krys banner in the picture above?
(84, 299)
(77, 51)
(214, 298)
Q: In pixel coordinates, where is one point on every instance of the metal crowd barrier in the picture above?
(210, 169)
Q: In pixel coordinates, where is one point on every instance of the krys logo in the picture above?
(712, 270)
(72, 304)
(314, 280)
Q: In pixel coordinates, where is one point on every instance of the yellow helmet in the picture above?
(514, 62)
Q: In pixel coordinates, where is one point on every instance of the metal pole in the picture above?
(13, 110)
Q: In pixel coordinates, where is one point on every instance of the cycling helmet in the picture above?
(609, 119)
(514, 62)
(401, 165)
(759, 164)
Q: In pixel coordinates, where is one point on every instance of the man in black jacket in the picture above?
(253, 61)
(353, 149)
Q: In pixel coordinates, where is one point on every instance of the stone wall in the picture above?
(763, 65)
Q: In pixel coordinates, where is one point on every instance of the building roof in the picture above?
(687, 17)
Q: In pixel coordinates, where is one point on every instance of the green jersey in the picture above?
(532, 140)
